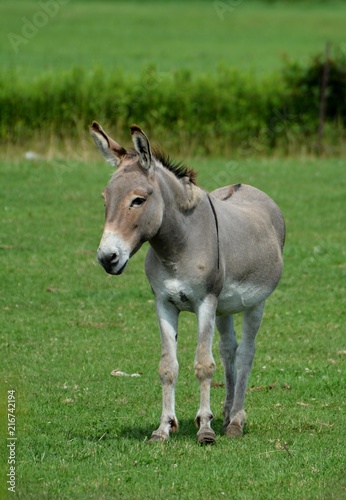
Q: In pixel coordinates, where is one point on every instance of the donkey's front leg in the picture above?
(168, 369)
(205, 367)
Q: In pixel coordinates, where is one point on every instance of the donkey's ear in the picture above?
(142, 146)
(110, 150)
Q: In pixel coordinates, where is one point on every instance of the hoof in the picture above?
(158, 438)
(224, 427)
(234, 430)
(207, 436)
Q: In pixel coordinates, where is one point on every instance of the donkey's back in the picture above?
(242, 198)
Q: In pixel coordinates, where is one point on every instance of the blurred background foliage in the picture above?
(202, 77)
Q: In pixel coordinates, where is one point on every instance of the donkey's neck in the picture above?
(183, 191)
(187, 220)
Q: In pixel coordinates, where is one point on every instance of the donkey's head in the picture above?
(133, 202)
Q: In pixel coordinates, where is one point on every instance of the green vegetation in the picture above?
(65, 325)
(195, 84)
(229, 112)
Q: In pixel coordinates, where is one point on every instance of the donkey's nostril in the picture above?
(106, 258)
(113, 258)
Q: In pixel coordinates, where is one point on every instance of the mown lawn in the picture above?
(65, 325)
(195, 35)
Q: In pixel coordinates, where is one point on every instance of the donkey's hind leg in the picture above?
(244, 361)
(228, 348)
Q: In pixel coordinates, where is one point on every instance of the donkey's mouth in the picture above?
(111, 269)
(120, 271)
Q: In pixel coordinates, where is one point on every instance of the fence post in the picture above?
(323, 99)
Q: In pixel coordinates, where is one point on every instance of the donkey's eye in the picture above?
(137, 202)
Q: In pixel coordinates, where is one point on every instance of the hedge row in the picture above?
(211, 114)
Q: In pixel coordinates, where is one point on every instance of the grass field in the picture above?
(65, 325)
(197, 35)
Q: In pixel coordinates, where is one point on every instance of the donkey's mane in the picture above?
(178, 168)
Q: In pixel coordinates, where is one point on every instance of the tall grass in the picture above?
(204, 114)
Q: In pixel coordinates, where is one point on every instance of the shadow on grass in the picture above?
(140, 433)
(187, 429)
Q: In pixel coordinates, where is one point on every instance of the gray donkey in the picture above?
(214, 254)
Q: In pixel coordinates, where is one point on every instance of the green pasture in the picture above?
(194, 35)
(65, 325)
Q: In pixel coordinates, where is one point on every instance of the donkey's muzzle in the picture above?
(113, 252)
(110, 262)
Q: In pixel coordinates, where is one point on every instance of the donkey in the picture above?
(214, 254)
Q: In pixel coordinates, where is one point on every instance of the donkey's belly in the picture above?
(236, 297)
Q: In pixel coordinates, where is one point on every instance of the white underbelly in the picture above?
(186, 295)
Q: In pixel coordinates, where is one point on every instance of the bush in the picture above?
(304, 87)
(201, 114)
